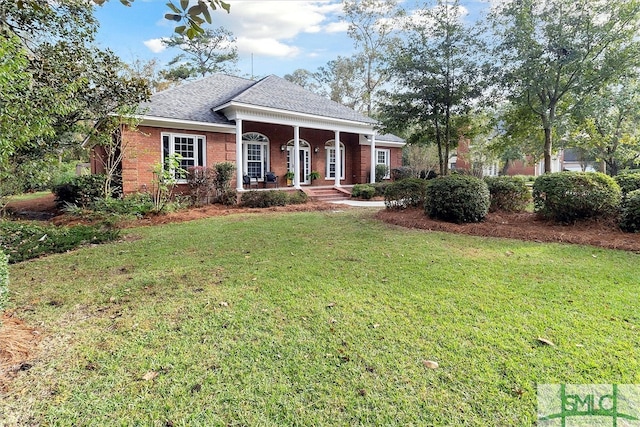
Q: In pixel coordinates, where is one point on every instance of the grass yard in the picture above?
(321, 318)
(29, 196)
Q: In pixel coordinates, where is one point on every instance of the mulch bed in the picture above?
(17, 345)
(522, 226)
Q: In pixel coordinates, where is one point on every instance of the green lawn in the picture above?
(314, 319)
(29, 196)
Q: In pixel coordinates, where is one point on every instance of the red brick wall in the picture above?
(143, 150)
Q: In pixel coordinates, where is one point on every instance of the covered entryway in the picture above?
(304, 155)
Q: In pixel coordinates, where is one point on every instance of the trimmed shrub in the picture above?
(457, 198)
(403, 172)
(201, 184)
(138, 204)
(571, 196)
(298, 198)
(363, 191)
(381, 172)
(80, 191)
(508, 193)
(406, 193)
(380, 187)
(263, 199)
(4, 282)
(630, 212)
(628, 182)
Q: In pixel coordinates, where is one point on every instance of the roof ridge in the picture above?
(187, 83)
(240, 92)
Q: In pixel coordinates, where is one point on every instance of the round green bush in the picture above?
(457, 198)
(508, 193)
(628, 182)
(571, 196)
(81, 191)
(630, 212)
(410, 192)
(363, 191)
(380, 188)
(298, 198)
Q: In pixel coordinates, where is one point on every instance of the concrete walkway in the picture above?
(360, 203)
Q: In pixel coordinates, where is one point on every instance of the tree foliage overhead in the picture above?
(551, 50)
(189, 17)
(437, 76)
(607, 124)
(59, 79)
(372, 27)
(211, 51)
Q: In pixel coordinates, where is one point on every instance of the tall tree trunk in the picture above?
(547, 150)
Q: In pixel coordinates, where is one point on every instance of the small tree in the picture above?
(165, 179)
(106, 137)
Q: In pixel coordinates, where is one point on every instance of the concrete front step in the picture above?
(327, 194)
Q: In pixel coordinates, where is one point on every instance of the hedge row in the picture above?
(266, 199)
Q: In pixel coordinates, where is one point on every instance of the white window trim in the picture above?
(387, 163)
(172, 148)
(330, 145)
(262, 140)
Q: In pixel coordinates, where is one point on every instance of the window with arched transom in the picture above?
(255, 154)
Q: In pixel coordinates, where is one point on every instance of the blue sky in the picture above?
(282, 36)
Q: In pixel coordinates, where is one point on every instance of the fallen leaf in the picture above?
(431, 364)
(546, 341)
(149, 376)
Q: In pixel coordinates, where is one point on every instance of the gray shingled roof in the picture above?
(389, 137)
(198, 100)
(278, 93)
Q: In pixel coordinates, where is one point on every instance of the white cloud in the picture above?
(272, 26)
(337, 27)
(267, 47)
(155, 45)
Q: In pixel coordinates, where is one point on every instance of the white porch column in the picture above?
(239, 159)
(374, 160)
(296, 157)
(338, 158)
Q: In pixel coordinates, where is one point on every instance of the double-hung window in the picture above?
(383, 157)
(190, 150)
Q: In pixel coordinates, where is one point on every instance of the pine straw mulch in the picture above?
(18, 343)
(522, 226)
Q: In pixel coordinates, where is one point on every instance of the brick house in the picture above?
(271, 125)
